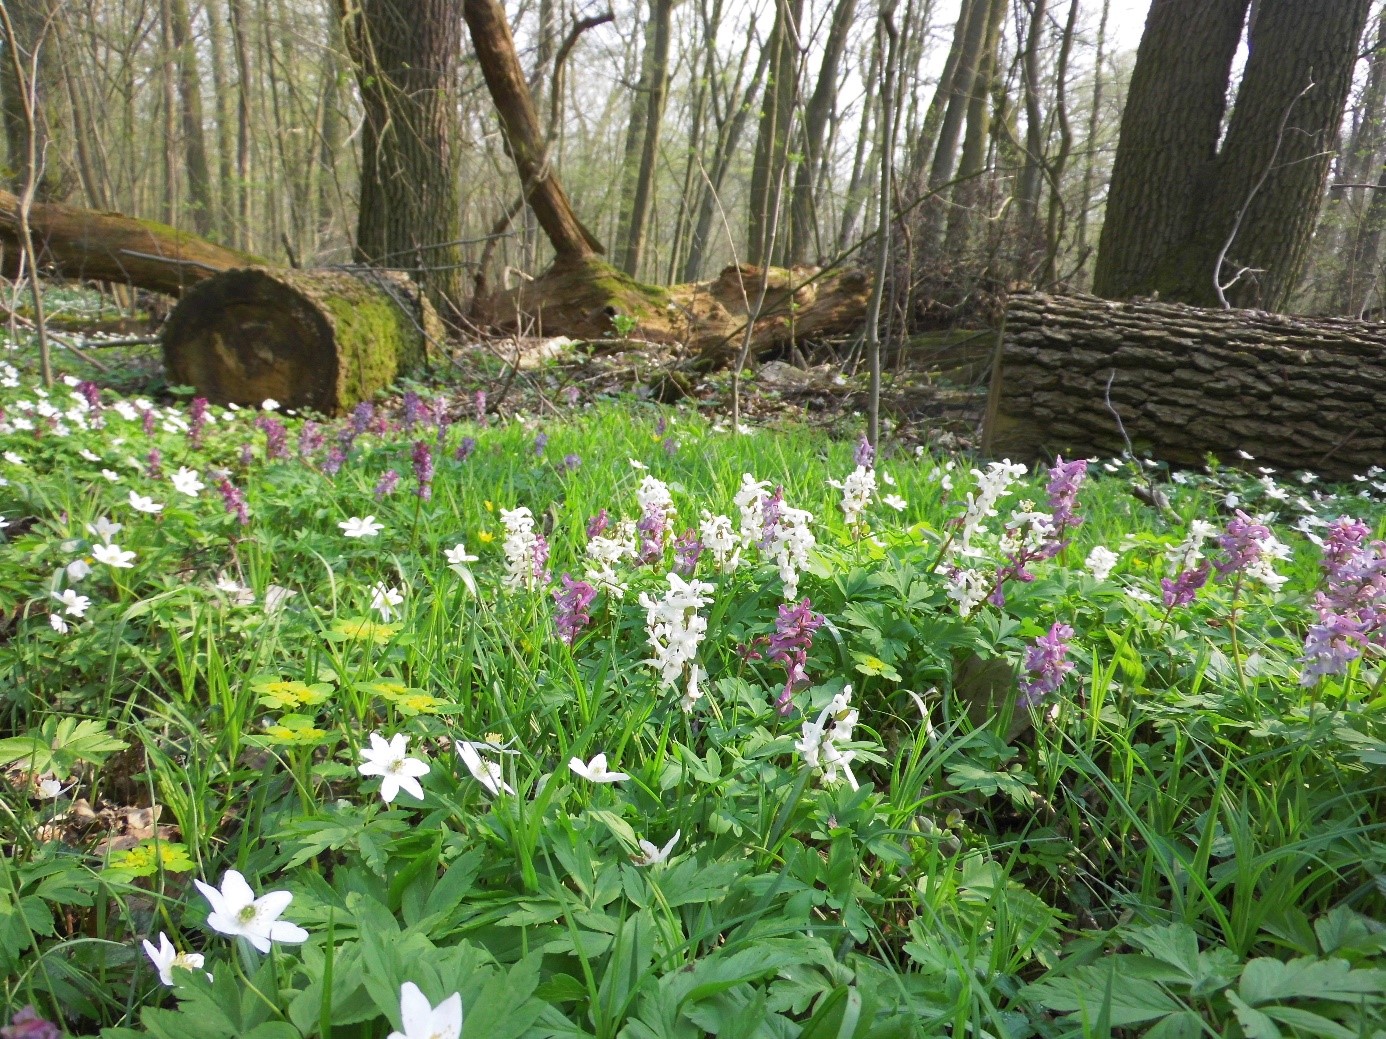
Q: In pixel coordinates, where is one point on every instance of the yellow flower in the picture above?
(146, 858)
(486, 536)
(280, 695)
(490, 506)
(295, 730)
(365, 628)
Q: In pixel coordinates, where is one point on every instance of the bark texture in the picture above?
(318, 339)
(406, 55)
(34, 29)
(1295, 393)
(82, 243)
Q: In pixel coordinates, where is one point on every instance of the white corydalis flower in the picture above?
(981, 502)
(165, 957)
(653, 855)
(422, 1020)
(392, 763)
(675, 631)
(819, 745)
(238, 913)
(1101, 562)
(487, 773)
(857, 491)
(595, 771)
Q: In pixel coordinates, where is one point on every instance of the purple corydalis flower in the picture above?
(1065, 479)
(387, 483)
(865, 454)
(26, 1024)
(413, 411)
(276, 437)
(652, 529)
(361, 417)
(1351, 602)
(571, 395)
(310, 439)
(1241, 544)
(197, 420)
(480, 403)
(540, 559)
(661, 426)
(423, 469)
(571, 462)
(336, 458)
(541, 441)
(770, 506)
(793, 638)
(670, 445)
(597, 525)
(148, 421)
(1045, 665)
(573, 600)
(441, 418)
(1181, 590)
(91, 393)
(465, 449)
(234, 500)
(247, 456)
(154, 468)
(687, 548)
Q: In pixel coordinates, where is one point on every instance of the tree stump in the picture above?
(321, 340)
(1295, 392)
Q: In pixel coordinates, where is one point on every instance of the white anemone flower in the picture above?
(487, 773)
(59, 625)
(457, 555)
(186, 481)
(238, 913)
(114, 556)
(595, 770)
(104, 529)
(361, 527)
(74, 605)
(385, 599)
(422, 1020)
(140, 503)
(653, 855)
(392, 763)
(166, 957)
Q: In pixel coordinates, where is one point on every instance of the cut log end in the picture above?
(319, 340)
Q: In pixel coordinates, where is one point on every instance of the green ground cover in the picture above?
(927, 765)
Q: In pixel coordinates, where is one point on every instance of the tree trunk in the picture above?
(1295, 393)
(221, 100)
(1080, 236)
(1169, 139)
(642, 199)
(1269, 178)
(804, 236)
(241, 45)
(1031, 179)
(194, 140)
(84, 244)
(406, 55)
(495, 51)
(959, 97)
(321, 340)
(773, 135)
(33, 31)
(970, 190)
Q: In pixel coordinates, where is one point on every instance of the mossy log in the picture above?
(582, 298)
(311, 339)
(1297, 393)
(78, 243)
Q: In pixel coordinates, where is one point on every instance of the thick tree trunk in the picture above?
(82, 243)
(190, 94)
(642, 198)
(774, 132)
(34, 30)
(319, 339)
(1295, 393)
(406, 54)
(1169, 139)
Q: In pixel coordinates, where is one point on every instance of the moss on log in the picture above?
(311, 339)
(581, 298)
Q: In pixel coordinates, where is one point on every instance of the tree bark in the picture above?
(773, 134)
(1169, 138)
(1295, 393)
(34, 30)
(190, 95)
(82, 243)
(319, 340)
(406, 55)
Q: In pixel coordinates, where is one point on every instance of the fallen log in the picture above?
(1297, 393)
(77, 243)
(311, 339)
(585, 298)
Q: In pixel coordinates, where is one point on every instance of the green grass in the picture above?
(1183, 841)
